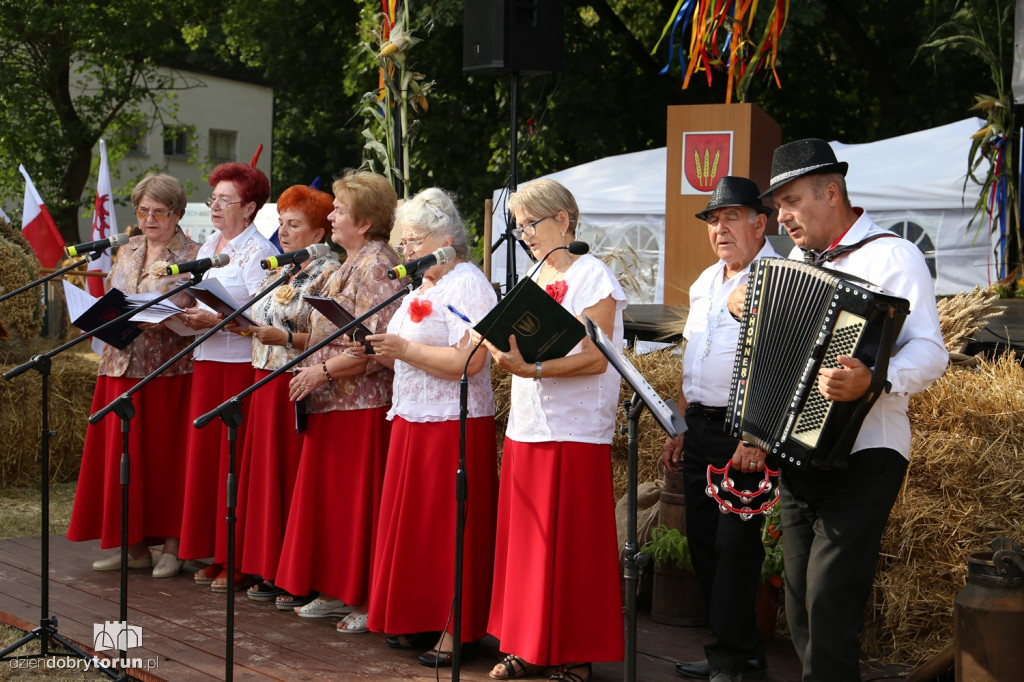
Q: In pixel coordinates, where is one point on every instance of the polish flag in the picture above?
(104, 222)
(38, 227)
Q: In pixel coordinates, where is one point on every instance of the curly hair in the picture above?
(251, 183)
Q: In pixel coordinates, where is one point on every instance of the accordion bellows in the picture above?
(797, 319)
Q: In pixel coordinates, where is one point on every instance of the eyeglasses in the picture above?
(217, 201)
(529, 229)
(406, 244)
(159, 215)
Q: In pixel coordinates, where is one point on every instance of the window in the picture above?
(176, 141)
(223, 145)
(139, 135)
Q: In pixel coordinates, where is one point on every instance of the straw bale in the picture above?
(71, 384)
(22, 315)
(963, 489)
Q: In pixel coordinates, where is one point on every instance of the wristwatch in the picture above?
(288, 343)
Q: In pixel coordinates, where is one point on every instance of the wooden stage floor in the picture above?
(183, 628)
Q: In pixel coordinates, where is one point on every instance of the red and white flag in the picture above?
(38, 227)
(104, 222)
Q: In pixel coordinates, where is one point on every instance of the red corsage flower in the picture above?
(419, 308)
(557, 290)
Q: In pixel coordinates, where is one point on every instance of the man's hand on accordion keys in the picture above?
(848, 382)
(748, 458)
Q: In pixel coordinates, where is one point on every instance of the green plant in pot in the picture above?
(675, 597)
(668, 548)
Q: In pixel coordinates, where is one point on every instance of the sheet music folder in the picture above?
(543, 328)
(340, 317)
(112, 304)
(666, 413)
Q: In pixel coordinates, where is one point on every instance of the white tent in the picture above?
(913, 184)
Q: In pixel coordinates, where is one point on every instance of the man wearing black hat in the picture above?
(727, 551)
(833, 519)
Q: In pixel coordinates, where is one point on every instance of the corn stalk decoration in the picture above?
(723, 37)
(985, 30)
(389, 131)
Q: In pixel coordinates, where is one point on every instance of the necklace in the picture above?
(712, 322)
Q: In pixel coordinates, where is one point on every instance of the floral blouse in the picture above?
(424, 317)
(150, 349)
(286, 310)
(360, 284)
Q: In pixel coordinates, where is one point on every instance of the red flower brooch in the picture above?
(419, 308)
(557, 290)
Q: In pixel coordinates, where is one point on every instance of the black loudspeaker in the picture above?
(505, 36)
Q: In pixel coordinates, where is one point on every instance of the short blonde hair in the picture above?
(163, 188)
(543, 198)
(369, 197)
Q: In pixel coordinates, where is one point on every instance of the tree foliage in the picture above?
(48, 120)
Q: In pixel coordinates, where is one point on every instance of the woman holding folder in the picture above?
(556, 600)
(266, 475)
(337, 489)
(428, 343)
(156, 488)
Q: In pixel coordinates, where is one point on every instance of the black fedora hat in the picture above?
(734, 191)
(794, 160)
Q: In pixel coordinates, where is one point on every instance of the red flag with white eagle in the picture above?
(104, 222)
(38, 228)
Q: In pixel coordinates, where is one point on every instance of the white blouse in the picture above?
(578, 409)
(242, 278)
(422, 397)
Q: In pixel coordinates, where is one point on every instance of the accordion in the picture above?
(797, 319)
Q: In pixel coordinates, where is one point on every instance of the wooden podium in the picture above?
(705, 143)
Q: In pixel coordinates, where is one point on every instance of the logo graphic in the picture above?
(116, 635)
(527, 325)
(707, 158)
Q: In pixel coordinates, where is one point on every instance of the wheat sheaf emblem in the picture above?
(706, 171)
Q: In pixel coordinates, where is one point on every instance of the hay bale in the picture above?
(963, 488)
(71, 383)
(21, 315)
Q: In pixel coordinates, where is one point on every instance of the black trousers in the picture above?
(832, 524)
(727, 551)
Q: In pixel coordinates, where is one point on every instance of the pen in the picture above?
(460, 315)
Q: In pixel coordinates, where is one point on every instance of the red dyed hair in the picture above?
(251, 183)
(312, 203)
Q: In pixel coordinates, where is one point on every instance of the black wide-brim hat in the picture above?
(734, 191)
(804, 157)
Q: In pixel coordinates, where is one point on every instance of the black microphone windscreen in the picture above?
(579, 248)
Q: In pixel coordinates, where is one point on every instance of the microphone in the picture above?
(415, 267)
(201, 265)
(300, 256)
(575, 248)
(113, 241)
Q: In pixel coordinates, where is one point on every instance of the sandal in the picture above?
(205, 576)
(565, 673)
(353, 624)
(413, 641)
(264, 591)
(514, 668)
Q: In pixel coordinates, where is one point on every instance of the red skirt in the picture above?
(329, 539)
(204, 532)
(557, 595)
(266, 477)
(414, 559)
(156, 460)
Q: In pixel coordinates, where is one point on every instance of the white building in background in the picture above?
(217, 120)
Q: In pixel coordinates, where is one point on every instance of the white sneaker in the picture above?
(323, 607)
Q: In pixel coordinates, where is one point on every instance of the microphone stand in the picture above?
(124, 409)
(230, 412)
(92, 256)
(42, 364)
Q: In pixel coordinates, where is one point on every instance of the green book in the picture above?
(543, 328)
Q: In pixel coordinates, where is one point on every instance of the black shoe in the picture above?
(753, 669)
(443, 659)
(413, 641)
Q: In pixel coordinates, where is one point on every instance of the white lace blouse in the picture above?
(242, 278)
(422, 397)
